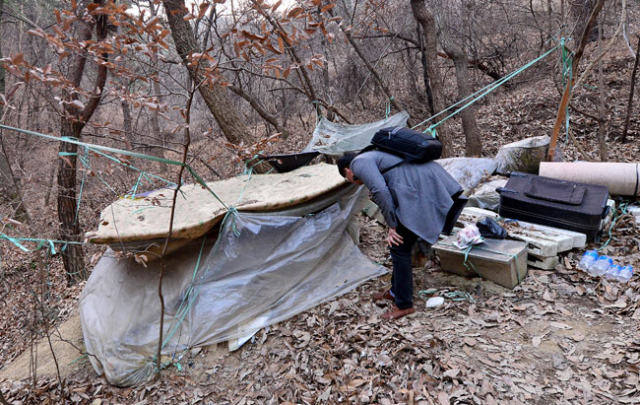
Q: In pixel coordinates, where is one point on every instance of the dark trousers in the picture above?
(402, 277)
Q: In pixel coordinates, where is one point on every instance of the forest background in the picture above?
(215, 84)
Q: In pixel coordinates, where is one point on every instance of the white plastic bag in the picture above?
(467, 236)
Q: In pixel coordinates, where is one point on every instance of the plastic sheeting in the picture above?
(486, 196)
(334, 139)
(469, 172)
(261, 270)
(523, 156)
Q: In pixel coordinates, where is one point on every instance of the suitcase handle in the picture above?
(501, 190)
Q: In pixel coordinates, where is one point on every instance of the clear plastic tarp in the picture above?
(469, 172)
(485, 195)
(333, 139)
(260, 270)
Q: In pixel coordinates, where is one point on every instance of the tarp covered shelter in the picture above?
(259, 270)
(284, 248)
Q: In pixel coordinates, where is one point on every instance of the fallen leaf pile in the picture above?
(560, 337)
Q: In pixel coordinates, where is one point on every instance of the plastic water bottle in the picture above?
(625, 274)
(612, 272)
(601, 265)
(587, 260)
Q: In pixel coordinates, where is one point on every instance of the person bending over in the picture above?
(414, 199)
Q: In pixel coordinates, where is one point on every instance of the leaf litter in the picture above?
(559, 337)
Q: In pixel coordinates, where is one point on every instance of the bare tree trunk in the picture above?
(52, 174)
(9, 186)
(581, 10)
(549, 18)
(425, 71)
(127, 124)
(566, 96)
(72, 123)
(631, 90)
(371, 69)
(155, 113)
(6, 177)
(270, 118)
(126, 120)
(70, 230)
(303, 74)
(331, 115)
(473, 145)
(215, 97)
(602, 118)
(426, 20)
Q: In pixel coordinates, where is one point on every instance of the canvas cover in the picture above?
(333, 139)
(260, 270)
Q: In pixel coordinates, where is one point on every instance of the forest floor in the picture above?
(559, 337)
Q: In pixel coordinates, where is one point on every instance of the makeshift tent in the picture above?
(261, 269)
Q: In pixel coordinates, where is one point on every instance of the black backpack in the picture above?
(413, 146)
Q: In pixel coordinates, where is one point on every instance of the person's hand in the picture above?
(394, 238)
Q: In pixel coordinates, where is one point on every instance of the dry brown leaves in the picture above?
(559, 337)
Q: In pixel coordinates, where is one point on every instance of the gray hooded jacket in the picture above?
(418, 195)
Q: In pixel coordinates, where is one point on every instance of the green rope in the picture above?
(567, 76)
(623, 209)
(120, 162)
(459, 296)
(181, 312)
(84, 177)
(452, 295)
(471, 267)
(96, 148)
(467, 263)
(135, 187)
(482, 92)
(318, 112)
(16, 241)
(192, 291)
(87, 165)
(387, 110)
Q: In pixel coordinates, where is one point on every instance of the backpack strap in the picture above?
(393, 166)
(374, 147)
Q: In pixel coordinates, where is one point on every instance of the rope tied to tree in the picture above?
(481, 93)
(566, 60)
(98, 148)
(387, 110)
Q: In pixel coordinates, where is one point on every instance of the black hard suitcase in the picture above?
(562, 204)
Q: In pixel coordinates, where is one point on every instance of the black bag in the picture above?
(413, 146)
(491, 229)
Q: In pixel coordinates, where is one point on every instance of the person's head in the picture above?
(344, 167)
